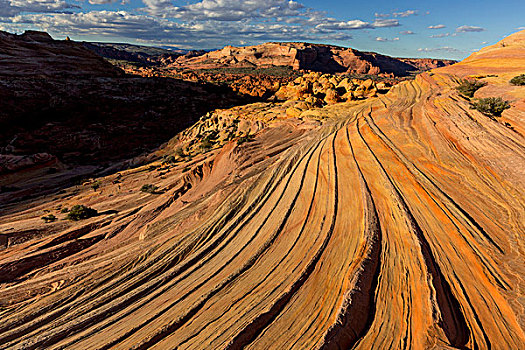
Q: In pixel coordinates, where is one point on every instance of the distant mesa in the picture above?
(312, 57)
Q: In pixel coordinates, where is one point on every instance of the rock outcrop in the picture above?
(60, 98)
(305, 56)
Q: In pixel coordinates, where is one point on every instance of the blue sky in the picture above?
(441, 29)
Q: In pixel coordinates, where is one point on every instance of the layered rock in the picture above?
(305, 56)
(60, 98)
(396, 222)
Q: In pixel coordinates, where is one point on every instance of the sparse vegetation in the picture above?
(169, 159)
(469, 87)
(491, 106)
(245, 138)
(149, 188)
(80, 212)
(49, 218)
(64, 210)
(518, 80)
(95, 185)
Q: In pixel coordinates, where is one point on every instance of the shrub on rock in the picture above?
(518, 80)
(491, 106)
(469, 87)
(80, 212)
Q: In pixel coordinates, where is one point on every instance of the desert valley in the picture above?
(286, 195)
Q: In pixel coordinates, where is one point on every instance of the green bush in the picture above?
(469, 87)
(80, 212)
(95, 185)
(149, 188)
(206, 144)
(245, 138)
(491, 106)
(518, 80)
(64, 210)
(49, 218)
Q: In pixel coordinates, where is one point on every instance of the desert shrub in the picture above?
(169, 159)
(149, 188)
(518, 80)
(469, 87)
(491, 106)
(245, 138)
(64, 210)
(49, 218)
(80, 212)
(179, 151)
(95, 185)
(206, 144)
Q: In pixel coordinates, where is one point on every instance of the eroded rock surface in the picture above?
(306, 56)
(392, 222)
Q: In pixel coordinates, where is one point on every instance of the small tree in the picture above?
(518, 80)
(95, 185)
(49, 218)
(491, 106)
(469, 87)
(149, 188)
(80, 212)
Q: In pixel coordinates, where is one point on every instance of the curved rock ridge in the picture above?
(306, 56)
(396, 223)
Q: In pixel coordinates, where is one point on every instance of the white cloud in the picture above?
(341, 25)
(405, 13)
(439, 49)
(160, 31)
(381, 39)
(380, 23)
(442, 35)
(407, 32)
(102, 2)
(465, 29)
(224, 10)
(437, 26)
(9, 8)
(381, 15)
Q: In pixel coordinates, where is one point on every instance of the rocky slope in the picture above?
(143, 55)
(305, 56)
(390, 222)
(59, 98)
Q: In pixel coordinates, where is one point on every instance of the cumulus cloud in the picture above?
(101, 2)
(405, 13)
(465, 29)
(380, 23)
(442, 35)
(224, 10)
(381, 39)
(437, 26)
(9, 8)
(201, 23)
(154, 30)
(439, 49)
(342, 25)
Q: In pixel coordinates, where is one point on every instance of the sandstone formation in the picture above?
(391, 222)
(143, 55)
(36, 53)
(59, 98)
(320, 89)
(305, 56)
